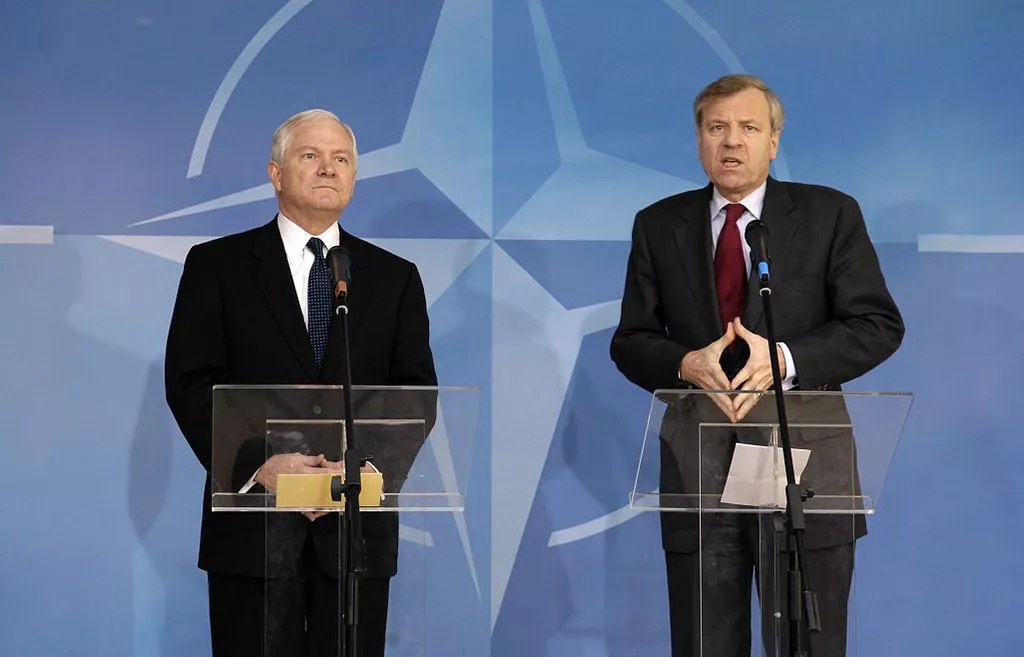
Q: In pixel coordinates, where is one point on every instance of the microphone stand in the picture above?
(353, 549)
(802, 603)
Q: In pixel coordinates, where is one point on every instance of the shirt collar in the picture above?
(753, 202)
(295, 238)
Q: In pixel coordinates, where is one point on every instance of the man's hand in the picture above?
(291, 464)
(702, 369)
(287, 464)
(757, 373)
(340, 466)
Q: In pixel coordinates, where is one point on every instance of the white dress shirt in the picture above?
(754, 203)
(300, 259)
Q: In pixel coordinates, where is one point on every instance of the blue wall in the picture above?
(505, 147)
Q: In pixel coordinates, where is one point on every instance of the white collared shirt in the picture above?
(754, 204)
(300, 258)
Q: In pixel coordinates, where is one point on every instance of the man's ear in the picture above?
(274, 173)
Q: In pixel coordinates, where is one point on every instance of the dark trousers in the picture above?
(712, 618)
(295, 616)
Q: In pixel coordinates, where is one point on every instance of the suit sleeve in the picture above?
(865, 326)
(195, 356)
(640, 346)
(412, 363)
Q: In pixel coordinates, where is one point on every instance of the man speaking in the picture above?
(691, 317)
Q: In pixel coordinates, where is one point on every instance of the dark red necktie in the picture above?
(730, 270)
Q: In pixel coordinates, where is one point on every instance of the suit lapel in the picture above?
(270, 269)
(693, 240)
(358, 302)
(780, 215)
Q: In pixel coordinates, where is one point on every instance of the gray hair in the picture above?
(279, 142)
(733, 84)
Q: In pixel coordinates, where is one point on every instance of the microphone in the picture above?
(757, 237)
(339, 260)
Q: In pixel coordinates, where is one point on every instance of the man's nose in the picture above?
(327, 169)
(732, 135)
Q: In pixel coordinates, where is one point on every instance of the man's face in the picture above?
(318, 173)
(735, 142)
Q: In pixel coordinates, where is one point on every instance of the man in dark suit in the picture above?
(251, 310)
(691, 317)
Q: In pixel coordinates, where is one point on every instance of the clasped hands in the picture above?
(296, 463)
(703, 369)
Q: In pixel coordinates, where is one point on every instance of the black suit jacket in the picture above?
(237, 320)
(830, 304)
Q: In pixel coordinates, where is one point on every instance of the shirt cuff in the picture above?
(252, 482)
(788, 381)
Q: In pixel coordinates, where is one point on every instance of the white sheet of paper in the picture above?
(757, 475)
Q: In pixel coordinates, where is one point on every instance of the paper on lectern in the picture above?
(757, 475)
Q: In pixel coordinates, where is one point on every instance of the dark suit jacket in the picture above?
(237, 321)
(829, 301)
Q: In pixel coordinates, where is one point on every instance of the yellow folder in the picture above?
(297, 491)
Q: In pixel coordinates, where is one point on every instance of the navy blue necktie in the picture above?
(318, 295)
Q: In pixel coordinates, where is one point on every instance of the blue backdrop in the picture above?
(506, 146)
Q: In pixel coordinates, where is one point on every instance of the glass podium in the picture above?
(720, 485)
(416, 445)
